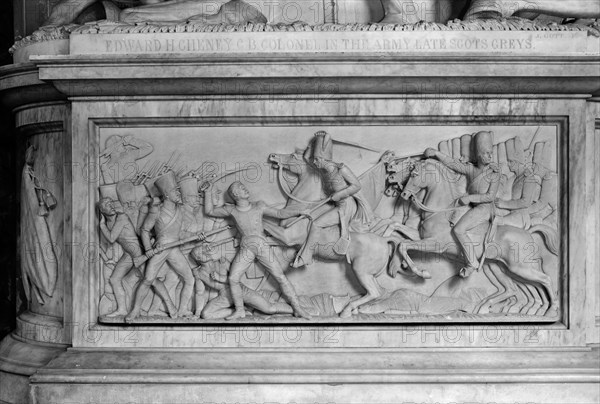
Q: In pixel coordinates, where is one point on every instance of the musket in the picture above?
(139, 260)
(144, 175)
(138, 175)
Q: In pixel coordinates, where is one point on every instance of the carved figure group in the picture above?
(235, 12)
(477, 199)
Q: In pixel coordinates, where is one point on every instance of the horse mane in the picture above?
(445, 172)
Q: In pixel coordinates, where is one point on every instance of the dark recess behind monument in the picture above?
(8, 194)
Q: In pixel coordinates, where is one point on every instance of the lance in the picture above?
(138, 261)
(532, 143)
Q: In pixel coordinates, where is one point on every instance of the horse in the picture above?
(368, 254)
(512, 246)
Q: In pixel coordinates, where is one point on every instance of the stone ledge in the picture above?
(320, 375)
(322, 366)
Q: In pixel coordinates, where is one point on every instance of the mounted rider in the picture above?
(526, 189)
(483, 182)
(341, 186)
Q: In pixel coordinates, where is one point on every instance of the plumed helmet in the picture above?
(323, 146)
(166, 183)
(188, 186)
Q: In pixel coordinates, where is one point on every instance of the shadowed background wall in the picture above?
(8, 194)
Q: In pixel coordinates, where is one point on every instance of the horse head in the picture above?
(293, 162)
(423, 175)
(398, 171)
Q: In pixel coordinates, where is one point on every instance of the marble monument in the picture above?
(235, 201)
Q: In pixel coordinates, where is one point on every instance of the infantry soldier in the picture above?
(167, 226)
(248, 218)
(117, 227)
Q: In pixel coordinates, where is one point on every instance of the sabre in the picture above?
(349, 143)
(216, 178)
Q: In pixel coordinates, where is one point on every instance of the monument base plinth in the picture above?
(319, 375)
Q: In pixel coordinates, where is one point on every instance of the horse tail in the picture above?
(394, 264)
(549, 235)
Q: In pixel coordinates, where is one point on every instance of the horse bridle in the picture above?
(285, 188)
(421, 205)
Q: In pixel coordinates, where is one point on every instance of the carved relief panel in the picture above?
(323, 223)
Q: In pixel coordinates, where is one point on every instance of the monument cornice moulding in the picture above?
(247, 75)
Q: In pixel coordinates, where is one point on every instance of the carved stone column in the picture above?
(42, 331)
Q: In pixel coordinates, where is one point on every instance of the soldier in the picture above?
(342, 186)
(526, 188)
(248, 218)
(213, 273)
(117, 227)
(167, 226)
(483, 182)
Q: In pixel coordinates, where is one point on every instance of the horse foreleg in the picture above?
(530, 300)
(490, 272)
(531, 273)
(545, 303)
(426, 245)
(520, 299)
(373, 292)
(537, 300)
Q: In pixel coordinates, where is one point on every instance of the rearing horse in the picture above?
(369, 254)
(511, 246)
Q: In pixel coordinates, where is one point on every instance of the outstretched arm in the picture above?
(281, 213)
(451, 163)
(143, 148)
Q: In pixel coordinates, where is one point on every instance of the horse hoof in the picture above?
(425, 274)
(485, 309)
(552, 312)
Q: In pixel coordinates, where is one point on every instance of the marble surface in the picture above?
(326, 375)
(109, 115)
(177, 94)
